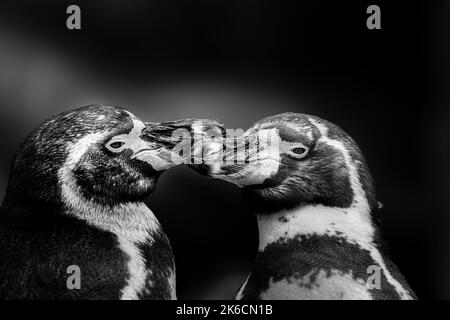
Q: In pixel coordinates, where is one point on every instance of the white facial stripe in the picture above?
(131, 140)
(321, 127)
(360, 208)
(301, 129)
(77, 150)
(360, 202)
(159, 159)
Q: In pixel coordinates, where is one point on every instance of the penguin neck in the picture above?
(353, 224)
(132, 221)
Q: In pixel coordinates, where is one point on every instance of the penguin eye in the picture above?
(298, 151)
(115, 146)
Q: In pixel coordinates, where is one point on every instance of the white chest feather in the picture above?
(325, 221)
(321, 286)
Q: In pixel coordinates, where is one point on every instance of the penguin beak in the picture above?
(177, 141)
(155, 149)
(246, 160)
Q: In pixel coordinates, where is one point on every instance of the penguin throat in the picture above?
(320, 220)
(133, 221)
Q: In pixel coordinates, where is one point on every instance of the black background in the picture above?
(239, 61)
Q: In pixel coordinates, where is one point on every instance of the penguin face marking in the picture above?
(120, 164)
(315, 162)
(150, 152)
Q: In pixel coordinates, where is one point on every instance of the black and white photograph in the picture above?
(227, 151)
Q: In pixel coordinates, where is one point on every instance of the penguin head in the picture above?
(100, 153)
(295, 160)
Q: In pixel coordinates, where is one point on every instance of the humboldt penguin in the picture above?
(73, 222)
(309, 185)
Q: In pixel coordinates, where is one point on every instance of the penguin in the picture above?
(318, 218)
(73, 222)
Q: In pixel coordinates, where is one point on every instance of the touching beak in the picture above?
(242, 160)
(172, 143)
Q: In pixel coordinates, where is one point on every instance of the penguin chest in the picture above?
(151, 269)
(317, 285)
(322, 267)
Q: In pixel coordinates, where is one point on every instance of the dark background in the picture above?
(239, 61)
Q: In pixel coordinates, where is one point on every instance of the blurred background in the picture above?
(240, 61)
